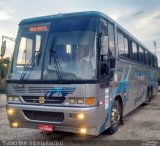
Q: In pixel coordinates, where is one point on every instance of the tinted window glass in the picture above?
(141, 55)
(134, 55)
(155, 62)
(150, 61)
(74, 24)
(104, 26)
(28, 59)
(123, 46)
(146, 58)
(120, 44)
(126, 47)
(151, 58)
(111, 38)
(71, 50)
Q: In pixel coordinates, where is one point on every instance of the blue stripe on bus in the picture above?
(61, 90)
(117, 90)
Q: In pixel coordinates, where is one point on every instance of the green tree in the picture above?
(4, 66)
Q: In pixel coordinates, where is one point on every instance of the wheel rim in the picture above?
(115, 117)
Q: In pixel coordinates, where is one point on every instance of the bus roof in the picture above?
(75, 14)
(63, 15)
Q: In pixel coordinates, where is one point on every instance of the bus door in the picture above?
(106, 65)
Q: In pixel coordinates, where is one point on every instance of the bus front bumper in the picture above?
(72, 119)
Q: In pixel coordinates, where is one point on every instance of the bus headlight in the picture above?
(14, 100)
(80, 101)
(72, 100)
(89, 101)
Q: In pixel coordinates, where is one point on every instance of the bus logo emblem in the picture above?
(41, 100)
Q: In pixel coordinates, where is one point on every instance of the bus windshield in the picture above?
(27, 59)
(74, 53)
(62, 50)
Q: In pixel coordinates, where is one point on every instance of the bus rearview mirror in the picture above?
(104, 45)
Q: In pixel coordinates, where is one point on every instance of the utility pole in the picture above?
(155, 46)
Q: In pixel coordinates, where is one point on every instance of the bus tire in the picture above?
(148, 97)
(151, 93)
(115, 117)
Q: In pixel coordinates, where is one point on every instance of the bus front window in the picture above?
(64, 49)
(27, 60)
(75, 54)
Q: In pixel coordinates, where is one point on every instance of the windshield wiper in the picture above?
(32, 62)
(53, 55)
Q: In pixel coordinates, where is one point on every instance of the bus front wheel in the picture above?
(115, 117)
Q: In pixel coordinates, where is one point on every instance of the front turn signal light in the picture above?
(90, 101)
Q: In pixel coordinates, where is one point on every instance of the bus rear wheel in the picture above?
(115, 117)
(148, 98)
(151, 93)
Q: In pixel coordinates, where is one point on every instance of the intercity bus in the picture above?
(77, 72)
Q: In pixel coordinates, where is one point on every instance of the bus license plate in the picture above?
(48, 128)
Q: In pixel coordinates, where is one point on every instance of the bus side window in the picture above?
(141, 55)
(146, 58)
(150, 60)
(126, 47)
(134, 55)
(111, 39)
(123, 46)
(155, 62)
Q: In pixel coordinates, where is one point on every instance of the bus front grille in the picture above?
(44, 116)
(32, 89)
(48, 100)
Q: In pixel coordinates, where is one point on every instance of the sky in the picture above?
(140, 17)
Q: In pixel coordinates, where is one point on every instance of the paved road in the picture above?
(142, 124)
